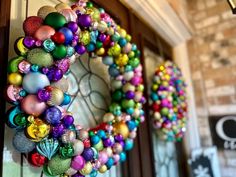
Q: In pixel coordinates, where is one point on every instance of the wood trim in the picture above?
(5, 8)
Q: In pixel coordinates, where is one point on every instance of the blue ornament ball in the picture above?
(129, 143)
(68, 35)
(53, 115)
(35, 81)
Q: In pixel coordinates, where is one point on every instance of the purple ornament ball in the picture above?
(43, 95)
(85, 20)
(68, 120)
(102, 37)
(58, 131)
(29, 42)
(53, 115)
(73, 26)
(88, 154)
(80, 49)
(107, 142)
(130, 95)
(119, 138)
(55, 74)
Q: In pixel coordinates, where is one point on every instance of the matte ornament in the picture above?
(22, 143)
(58, 165)
(48, 147)
(32, 106)
(55, 20)
(40, 57)
(44, 32)
(34, 81)
(45, 10)
(32, 24)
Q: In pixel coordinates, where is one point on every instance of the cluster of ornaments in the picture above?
(45, 130)
(168, 102)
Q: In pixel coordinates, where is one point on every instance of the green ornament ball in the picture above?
(134, 62)
(59, 52)
(117, 95)
(55, 20)
(58, 165)
(13, 64)
(165, 111)
(98, 146)
(127, 104)
(39, 57)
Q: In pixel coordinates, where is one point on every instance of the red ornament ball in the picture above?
(37, 159)
(58, 38)
(32, 24)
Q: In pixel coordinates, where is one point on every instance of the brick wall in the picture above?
(212, 52)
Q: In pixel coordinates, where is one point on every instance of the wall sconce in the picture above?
(232, 4)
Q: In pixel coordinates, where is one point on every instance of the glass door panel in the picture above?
(165, 154)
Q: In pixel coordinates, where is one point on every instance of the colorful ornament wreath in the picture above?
(44, 129)
(168, 102)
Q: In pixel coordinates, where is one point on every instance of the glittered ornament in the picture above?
(58, 165)
(44, 32)
(21, 143)
(32, 24)
(39, 57)
(45, 10)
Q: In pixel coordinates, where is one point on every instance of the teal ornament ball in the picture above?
(55, 20)
(49, 45)
(34, 81)
(40, 57)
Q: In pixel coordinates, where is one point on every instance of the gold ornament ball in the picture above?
(57, 97)
(62, 6)
(45, 10)
(87, 169)
(121, 128)
(102, 169)
(15, 79)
